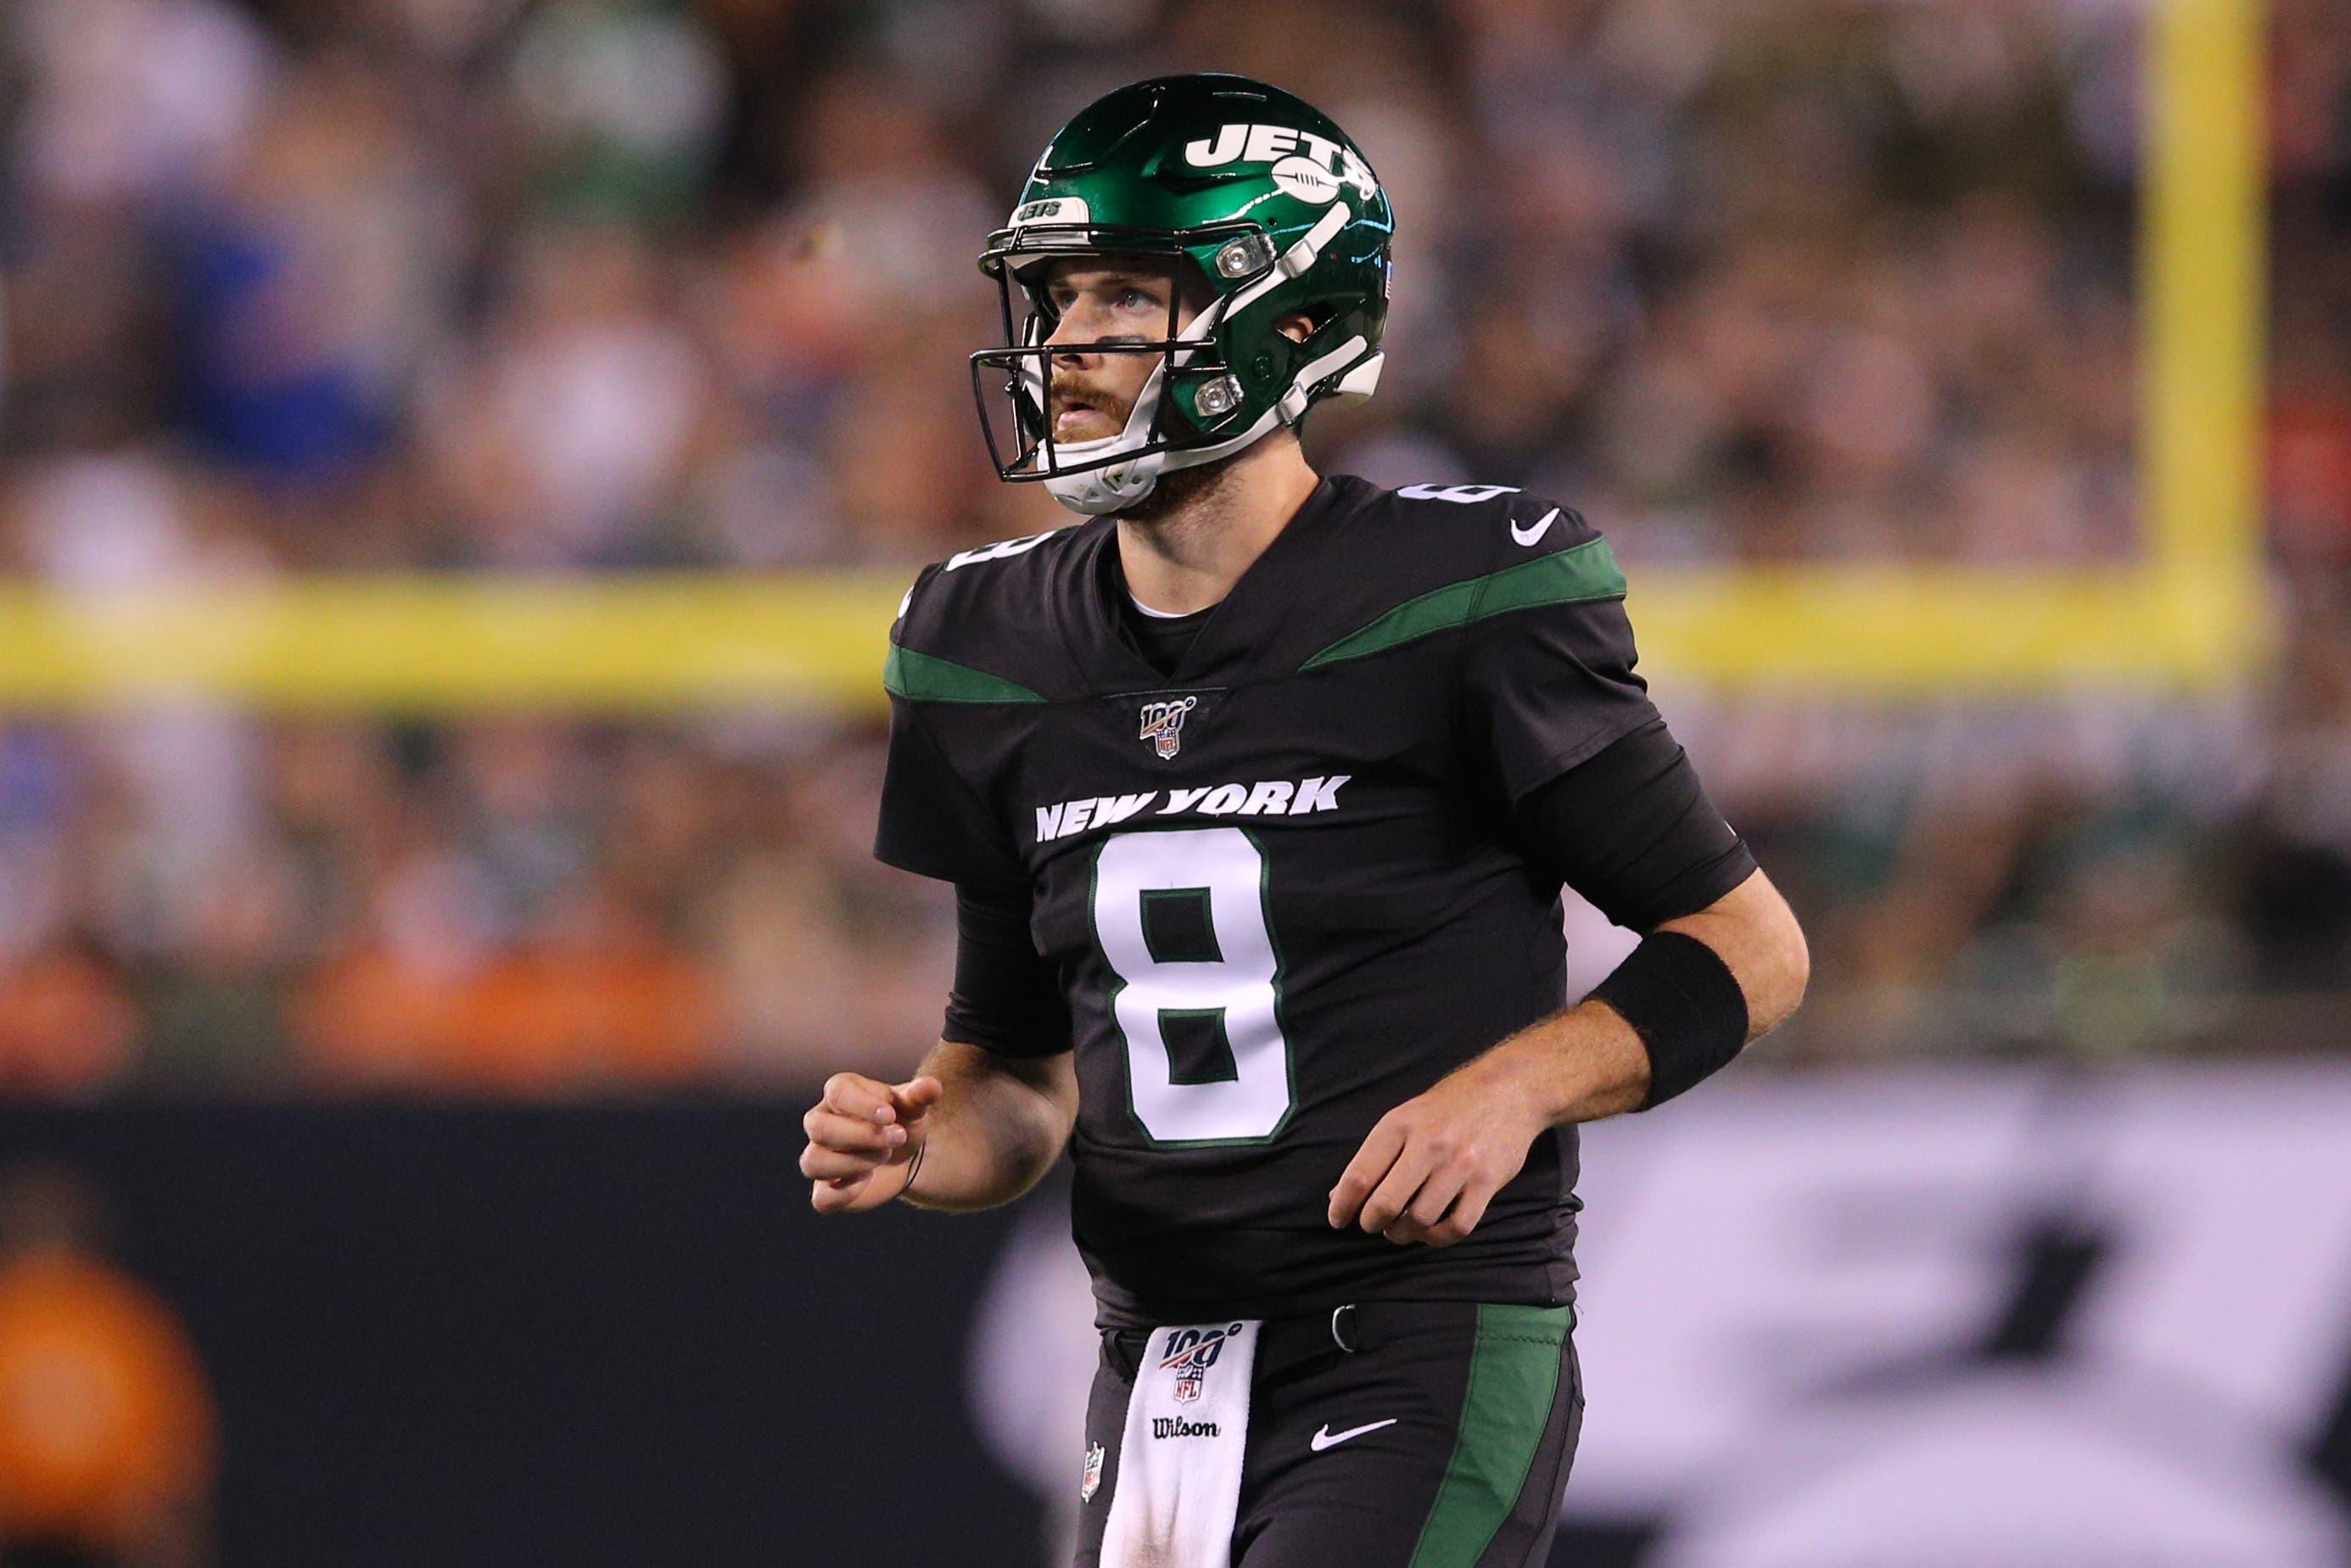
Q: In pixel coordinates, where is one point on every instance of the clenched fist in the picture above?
(863, 1137)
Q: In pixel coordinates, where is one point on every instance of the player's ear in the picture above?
(1295, 326)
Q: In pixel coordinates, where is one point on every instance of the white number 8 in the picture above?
(1238, 983)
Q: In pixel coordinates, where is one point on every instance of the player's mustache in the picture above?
(1067, 393)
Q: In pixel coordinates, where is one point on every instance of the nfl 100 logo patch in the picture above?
(1162, 724)
(1190, 1354)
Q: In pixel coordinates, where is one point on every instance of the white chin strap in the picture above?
(1114, 486)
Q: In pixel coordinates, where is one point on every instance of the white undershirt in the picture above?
(1158, 614)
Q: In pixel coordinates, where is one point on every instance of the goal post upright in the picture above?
(2190, 612)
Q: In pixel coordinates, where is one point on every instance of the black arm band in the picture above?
(1684, 1002)
(1007, 998)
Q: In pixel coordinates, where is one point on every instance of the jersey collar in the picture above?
(1247, 633)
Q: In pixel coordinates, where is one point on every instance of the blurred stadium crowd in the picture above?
(598, 285)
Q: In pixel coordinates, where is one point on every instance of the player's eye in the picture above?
(1134, 299)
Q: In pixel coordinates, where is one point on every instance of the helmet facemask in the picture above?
(1012, 384)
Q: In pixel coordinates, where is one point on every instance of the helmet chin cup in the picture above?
(1116, 485)
(1100, 490)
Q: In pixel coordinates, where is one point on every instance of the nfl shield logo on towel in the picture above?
(1091, 1481)
(1190, 1353)
(1162, 724)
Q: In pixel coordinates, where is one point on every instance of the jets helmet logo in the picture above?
(1311, 168)
(1162, 723)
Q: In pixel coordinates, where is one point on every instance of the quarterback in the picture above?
(1257, 789)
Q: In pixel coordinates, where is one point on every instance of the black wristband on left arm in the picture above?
(1684, 1002)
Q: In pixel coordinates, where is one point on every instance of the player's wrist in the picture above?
(1576, 1066)
(1518, 1080)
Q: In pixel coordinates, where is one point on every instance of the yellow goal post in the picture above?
(2189, 610)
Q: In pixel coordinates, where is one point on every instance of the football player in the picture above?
(1257, 789)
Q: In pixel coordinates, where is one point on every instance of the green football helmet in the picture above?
(1242, 190)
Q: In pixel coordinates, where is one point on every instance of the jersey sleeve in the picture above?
(934, 820)
(1548, 677)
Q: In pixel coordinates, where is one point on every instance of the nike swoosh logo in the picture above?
(1327, 1439)
(1541, 526)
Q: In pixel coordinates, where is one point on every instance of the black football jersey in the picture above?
(1278, 885)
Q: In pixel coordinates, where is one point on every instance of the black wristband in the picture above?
(1684, 1002)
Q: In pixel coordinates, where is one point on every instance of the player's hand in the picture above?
(863, 1136)
(1427, 1171)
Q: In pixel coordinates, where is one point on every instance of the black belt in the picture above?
(1350, 1327)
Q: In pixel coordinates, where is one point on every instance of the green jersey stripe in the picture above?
(919, 677)
(1513, 1378)
(1578, 575)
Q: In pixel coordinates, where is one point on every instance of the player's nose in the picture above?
(1078, 327)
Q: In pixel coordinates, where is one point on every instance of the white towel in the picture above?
(1179, 1465)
